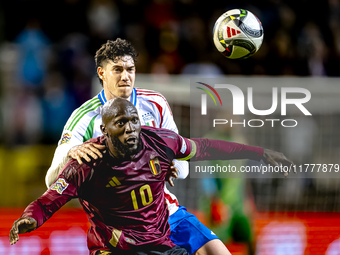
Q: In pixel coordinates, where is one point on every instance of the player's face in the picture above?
(118, 77)
(123, 131)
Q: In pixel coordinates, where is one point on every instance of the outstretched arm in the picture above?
(208, 149)
(63, 190)
(211, 149)
(40, 210)
(37, 213)
(21, 226)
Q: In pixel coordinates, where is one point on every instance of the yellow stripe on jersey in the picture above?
(192, 152)
(113, 182)
(104, 253)
(114, 178)
(115, 237)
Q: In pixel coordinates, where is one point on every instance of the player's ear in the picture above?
(103, 129)
(100, 72)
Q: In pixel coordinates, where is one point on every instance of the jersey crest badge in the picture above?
(66, 138)
(60, 185)
(149, 120)
(155, 167)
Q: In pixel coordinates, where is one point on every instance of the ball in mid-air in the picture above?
(238, 34)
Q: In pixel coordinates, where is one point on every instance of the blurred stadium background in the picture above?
(47, 70)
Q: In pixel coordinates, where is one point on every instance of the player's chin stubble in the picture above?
(126, 151)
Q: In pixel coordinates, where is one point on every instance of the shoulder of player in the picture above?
(90, 104)
(147, 94)
(153, 99)
(97, 140)
(80, 173)
(73, 169)
(161, 140)
(85, 113)
(159, 133)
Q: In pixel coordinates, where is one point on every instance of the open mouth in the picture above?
(131, 140)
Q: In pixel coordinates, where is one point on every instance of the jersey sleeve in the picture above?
(61, 191)
(182, 148)
(198, 149)
(161, 109)
(168, 119)
(75, 132)
(210, 149)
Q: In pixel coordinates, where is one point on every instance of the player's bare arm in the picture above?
(21, 226)
(85, 151)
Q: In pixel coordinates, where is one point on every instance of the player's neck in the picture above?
(109, 96)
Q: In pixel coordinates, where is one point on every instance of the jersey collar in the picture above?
(133, 97)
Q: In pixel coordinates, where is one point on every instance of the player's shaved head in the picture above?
(122, 127)
(114, 108)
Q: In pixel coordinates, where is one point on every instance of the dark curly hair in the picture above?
(114, 50)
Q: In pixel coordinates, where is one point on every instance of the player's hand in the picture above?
(85, 151)
(275, 158)
(20, 226)
(172, 174)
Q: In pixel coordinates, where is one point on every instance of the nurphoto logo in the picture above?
(302, 96)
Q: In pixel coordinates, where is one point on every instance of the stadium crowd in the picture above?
(47, 48)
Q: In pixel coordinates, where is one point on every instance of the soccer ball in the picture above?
(238, 34)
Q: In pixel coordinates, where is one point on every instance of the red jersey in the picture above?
(124, 200)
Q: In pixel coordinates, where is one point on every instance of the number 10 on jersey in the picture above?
(145, 189)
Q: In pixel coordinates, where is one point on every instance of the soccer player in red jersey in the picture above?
(123, 192)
